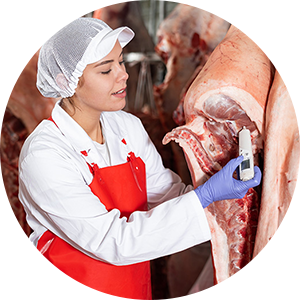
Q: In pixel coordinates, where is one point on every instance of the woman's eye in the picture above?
(106, 72)
(122, 62)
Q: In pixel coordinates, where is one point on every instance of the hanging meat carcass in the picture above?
(186, 38)
(230, 92)
(21, 108)
(275, 269)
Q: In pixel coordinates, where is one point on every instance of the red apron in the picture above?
(122, 187)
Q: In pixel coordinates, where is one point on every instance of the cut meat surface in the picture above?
(234, 223)
(230, 92)
(186, 38)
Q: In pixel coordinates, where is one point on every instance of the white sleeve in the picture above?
(162, 184)
(53, 190)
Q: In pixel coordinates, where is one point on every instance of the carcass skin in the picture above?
(186, 38)
(230, 92)
(275, 266)
(21, 108)
(178, 114)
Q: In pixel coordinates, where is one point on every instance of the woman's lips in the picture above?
(120, 94)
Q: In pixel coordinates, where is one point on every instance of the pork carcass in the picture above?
(230, 92)
(186, 38)
(21, 108)
(178, 114)
(275, 268)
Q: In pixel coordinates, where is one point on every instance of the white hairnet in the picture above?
(65, 55)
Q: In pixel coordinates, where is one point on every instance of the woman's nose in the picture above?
(122, 74)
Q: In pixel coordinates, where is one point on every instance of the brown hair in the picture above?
(70, 99)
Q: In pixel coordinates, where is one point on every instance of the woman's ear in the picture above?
(61, 81)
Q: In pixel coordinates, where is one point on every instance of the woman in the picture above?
(96, 194)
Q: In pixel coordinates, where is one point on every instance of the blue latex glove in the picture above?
(222, 185)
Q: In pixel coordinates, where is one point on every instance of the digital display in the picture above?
(245, 164)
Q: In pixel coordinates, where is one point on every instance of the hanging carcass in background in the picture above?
(230, 92)
(185, 41)
(178, 114)
(21, 108)
(275, 269)
(186, 38)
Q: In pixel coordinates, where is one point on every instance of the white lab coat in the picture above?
(54, 179)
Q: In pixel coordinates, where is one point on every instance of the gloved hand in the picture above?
(222, 185)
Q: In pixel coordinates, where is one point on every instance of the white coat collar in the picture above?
(115, 134)
(80, 141)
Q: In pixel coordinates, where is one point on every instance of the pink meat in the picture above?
(186, 38)
(275, 266)
(230, 92)
(21, 108)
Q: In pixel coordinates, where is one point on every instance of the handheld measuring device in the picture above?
(246, 168)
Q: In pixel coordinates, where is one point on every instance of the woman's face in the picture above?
(102, 86)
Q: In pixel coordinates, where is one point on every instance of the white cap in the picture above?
(65, 55)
